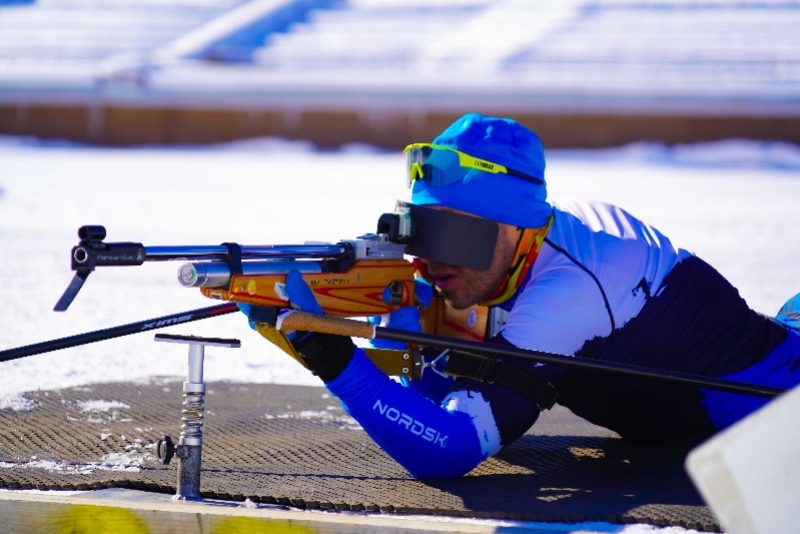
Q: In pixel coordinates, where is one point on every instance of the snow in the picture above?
(16, 402)
(734, 203)
(729, 153)
(100, 405)
(343, 422)
(115, 461)
(122, 461)
(162, 197)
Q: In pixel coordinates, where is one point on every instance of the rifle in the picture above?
(348, 279)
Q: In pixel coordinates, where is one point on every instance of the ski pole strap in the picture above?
(493, 370)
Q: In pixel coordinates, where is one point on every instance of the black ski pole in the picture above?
(117, 331)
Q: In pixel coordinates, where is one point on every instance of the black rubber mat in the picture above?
(295, 446)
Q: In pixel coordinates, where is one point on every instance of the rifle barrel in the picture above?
(216, 252)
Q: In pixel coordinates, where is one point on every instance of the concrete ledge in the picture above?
(123, 126)
(130, 511)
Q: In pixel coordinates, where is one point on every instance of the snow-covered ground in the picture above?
(733, 203)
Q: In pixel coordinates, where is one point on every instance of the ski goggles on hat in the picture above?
(440, 165)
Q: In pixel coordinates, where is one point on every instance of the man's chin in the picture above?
(457, 303)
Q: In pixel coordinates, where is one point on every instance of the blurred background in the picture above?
(195, 122)
(581, 73)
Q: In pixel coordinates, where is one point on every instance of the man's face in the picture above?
(463, 287)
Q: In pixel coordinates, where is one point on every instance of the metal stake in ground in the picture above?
(189, 447)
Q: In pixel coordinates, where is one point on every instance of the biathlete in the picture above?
(578, 278)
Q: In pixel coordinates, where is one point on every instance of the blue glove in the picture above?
(432, 385)
(323, 354)
(299, 294)
(423, 292)
(405, 318)
(245, 309)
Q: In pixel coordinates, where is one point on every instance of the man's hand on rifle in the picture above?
(325, 355)
(405, 318)
(432, 385)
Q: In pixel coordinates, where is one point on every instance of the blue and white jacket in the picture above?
(605, 286)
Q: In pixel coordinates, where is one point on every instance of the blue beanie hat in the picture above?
(499, 197)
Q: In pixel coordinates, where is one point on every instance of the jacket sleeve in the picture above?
(429, 439)
(425, 438)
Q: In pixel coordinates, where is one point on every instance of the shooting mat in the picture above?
(295, 446)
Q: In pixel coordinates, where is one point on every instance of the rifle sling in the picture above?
(234, 257)
(493, 370)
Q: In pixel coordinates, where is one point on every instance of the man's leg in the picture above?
(780, 369)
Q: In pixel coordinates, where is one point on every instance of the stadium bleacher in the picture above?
(680, 69)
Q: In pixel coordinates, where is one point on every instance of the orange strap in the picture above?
(527, 251)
